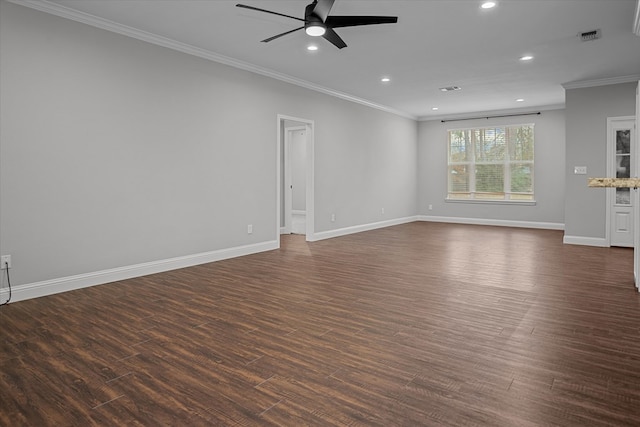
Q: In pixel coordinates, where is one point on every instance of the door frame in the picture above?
(636, 199)
(280, 169)
(610, 193)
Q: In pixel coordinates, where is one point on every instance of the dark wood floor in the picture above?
(416, 325)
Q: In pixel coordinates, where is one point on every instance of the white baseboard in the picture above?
(360, 228)
(494, 222)
(569, 240)
(64, 284)
(585, 241)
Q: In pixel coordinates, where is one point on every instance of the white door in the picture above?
(621, 164)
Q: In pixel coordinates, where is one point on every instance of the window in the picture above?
(492, 164)
(623, 164)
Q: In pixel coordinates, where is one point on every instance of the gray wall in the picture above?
(116, 152)
(369, 164)
(587, 110)
(548, 180)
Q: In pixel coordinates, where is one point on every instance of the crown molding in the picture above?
(636, 20)
(601, 82)
(105, 24)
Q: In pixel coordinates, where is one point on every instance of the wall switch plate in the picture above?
(249, 229)
(430, 207)
(333, 217)
(382, 212)
(5, 260)
(580, 170)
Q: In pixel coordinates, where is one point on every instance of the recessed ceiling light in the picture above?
(312, 47)
(434, 108)
(450, 88)
(385, 80)
(526, 58)
(520, 100)
(488, 5)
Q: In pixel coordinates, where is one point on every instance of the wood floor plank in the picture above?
(422, 324)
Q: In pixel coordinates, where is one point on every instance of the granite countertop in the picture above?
(614, 182)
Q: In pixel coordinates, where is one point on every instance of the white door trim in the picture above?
(612, 123)
(636, 199)
(309, 126)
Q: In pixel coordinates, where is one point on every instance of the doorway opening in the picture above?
(295, 177)
(295, 187)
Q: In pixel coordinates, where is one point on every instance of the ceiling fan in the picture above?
(317, 21)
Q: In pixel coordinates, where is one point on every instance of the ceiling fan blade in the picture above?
(280, 35)
(268, 11)
(322, 9)
(334, 38)
(353, 21)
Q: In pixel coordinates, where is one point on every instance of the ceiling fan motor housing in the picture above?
(313, 24)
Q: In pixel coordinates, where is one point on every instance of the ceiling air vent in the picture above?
(590, 35)
(450, 88)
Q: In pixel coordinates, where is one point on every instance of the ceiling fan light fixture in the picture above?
(315, 29)
(318, 22)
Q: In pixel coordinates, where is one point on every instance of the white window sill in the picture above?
(493, 202)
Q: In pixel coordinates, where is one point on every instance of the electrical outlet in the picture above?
(430, 207)
(250, 229)
(580, 170)
(5, 260)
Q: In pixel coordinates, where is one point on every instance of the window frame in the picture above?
(471, 163)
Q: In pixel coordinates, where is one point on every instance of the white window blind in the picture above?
(492, 163)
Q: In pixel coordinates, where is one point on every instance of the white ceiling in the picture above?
(435, 43)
